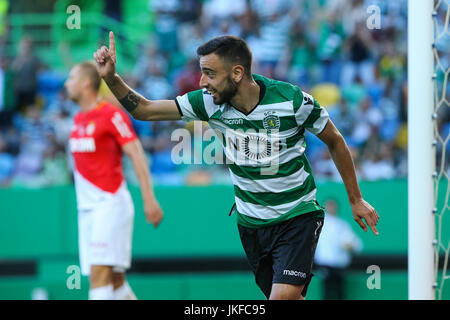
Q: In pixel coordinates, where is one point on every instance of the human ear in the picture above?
(237, 73)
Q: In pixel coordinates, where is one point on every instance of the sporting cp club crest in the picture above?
(271, 122)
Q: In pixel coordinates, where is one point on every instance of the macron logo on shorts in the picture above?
(294, 273)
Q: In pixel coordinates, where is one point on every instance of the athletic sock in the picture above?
(124, 292)
(102, 293)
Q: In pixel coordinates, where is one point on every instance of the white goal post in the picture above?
(421, 155)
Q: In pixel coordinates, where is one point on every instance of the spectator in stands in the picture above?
(190, 37)
(355, 15)
(275, 20)
(343, 118)
(162, 166)
(113, 9)
(366, 117)
(26, 67)
(188, 78)
(392, 62)
(301, 56)
(378, 165)
(390, 113)
(354, 93)
(152, 56)
(223, 9)
(359, 61)
(60, 103)
(190, 11)
(2, 83)
(7, 162)
(60, 114)
(324, 168)
(7, 96)
(166, 21)
(223, 27)
(329, 47)
(249, 25)
(34, 141)
(11, 135)
(55, 169)
(156, 85)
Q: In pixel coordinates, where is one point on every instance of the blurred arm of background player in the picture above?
(152, 209)
(138, 106)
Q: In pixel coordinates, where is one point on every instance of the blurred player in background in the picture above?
(336, 246)
(279, 219)
(100, 135)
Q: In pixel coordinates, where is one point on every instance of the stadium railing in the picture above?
(59, 47)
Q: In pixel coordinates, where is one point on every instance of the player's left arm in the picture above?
(152, 209)
(342, 158)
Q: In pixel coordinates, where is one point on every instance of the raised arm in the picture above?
(344, 163)
(138, 106)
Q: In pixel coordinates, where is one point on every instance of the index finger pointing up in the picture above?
(112, 43)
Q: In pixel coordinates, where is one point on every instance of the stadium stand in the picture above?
(358, 74)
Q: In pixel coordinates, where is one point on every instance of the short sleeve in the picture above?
(195, 105)
(121, 127)
(309, 114)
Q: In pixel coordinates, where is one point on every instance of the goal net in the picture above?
(441, 144)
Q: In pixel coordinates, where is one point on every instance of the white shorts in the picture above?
(105, 232)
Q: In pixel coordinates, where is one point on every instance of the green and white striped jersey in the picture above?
(265, 149)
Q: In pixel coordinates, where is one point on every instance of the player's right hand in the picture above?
(106, 59)
(364, 212)
(153, 212)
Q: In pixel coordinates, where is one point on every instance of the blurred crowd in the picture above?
(329, 48)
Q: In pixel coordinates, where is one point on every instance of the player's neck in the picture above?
(247, 96)
(89, 101)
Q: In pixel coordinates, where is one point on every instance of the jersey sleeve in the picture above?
(121, 127)
(195, 105)
(309, 113)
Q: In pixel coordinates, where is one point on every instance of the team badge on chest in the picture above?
(90, 128)
(271, 122)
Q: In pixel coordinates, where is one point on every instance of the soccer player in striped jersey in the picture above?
(262, 124)
(100, 135)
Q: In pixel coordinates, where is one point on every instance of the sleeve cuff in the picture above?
(179, 108)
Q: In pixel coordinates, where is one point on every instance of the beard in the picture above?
(72, 98)
(227, 94)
